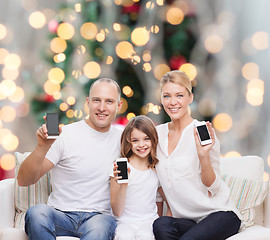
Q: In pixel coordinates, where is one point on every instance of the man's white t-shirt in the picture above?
(82, 157)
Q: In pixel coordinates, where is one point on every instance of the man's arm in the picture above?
(36, 165)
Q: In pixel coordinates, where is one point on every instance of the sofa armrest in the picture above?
(267, 208)
(7, 209)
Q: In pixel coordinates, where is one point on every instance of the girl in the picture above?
(189, 172)
(134, 203)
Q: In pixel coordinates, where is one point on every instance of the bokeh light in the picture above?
(3, 54)
(92, 70)
(88, 30)
(3, 31)
(124, 49)
(260, 40)
(63, 107)
(37, 20)
(56, 75)
(255, 92)
(250, 71)
(59, 57)
(147, 67)
(50, 87)
(12, 61)
(130, 115)
(147, 56)
(10, 142)
(127, 91)
(78, 113)
(65, 31)
(189, 69)
(160, 70)
(268, 160)
(140, 36)
(154, 29)
(109, 60)
(232, 154)
(70, 113)
(58, 45)
(213, 43)
(7, 87)
(174, 15)
(71, 100)
(7, 161)
(222, 122)
(10, 73)
(7, 113)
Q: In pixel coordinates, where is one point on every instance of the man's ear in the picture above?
(87, 100)
(120, 103)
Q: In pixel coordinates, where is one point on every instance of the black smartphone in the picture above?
(203, 133)
(52, 125)
(122, 166)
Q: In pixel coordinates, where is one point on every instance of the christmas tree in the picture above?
(132, 42)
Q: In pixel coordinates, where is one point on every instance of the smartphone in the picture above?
(122, 166)
(203, 133)
(52, 125)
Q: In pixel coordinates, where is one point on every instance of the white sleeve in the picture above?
(215, 161)
(55, 153)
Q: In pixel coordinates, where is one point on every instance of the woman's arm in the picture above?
(118, 193)
(208, 175)
(169, 213)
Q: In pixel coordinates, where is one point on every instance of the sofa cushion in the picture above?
(26, 197)
(247, 194)
(19, 234)
(254, 232)
(251, 167)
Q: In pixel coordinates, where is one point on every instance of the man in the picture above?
(80, 161)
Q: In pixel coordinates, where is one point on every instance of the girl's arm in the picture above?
(208, 175)
(118, 193)
(169, 213)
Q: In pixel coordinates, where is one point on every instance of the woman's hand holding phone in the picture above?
(203, 150)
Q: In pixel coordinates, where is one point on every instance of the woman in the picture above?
(189, 172)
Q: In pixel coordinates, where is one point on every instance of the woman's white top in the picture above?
(141, 193)
(180, 177)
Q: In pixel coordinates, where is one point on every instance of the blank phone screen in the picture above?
(203, 132)
(52, 123)
(122, 166)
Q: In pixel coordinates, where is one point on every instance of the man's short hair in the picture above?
(108, 80)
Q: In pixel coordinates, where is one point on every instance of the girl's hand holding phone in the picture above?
(117, 174)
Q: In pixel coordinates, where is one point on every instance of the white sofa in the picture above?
(251, 167)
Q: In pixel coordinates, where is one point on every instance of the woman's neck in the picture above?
(178, 125)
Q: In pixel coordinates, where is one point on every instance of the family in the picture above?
(165, 163)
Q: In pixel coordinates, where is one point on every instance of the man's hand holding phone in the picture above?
(43, 134)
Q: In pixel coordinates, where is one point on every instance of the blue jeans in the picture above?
(43, 222)
(216, 226)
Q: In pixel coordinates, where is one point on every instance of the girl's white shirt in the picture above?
(140, 204)
(179, 176)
